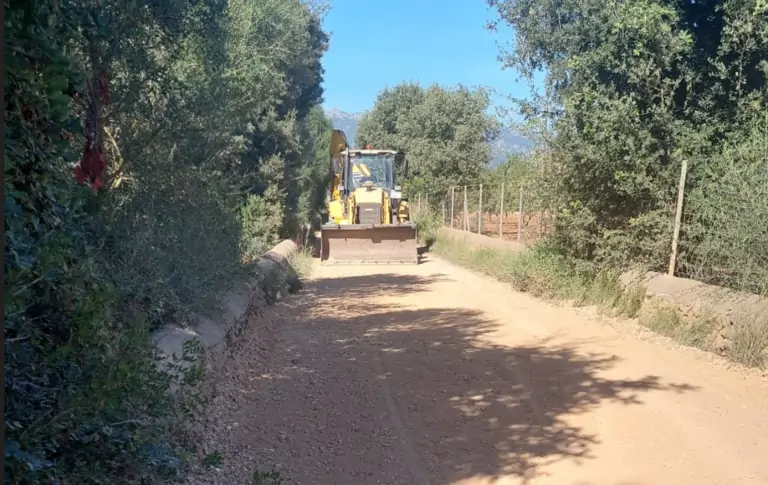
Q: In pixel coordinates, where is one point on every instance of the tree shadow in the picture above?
(356, 288)
(469, 408)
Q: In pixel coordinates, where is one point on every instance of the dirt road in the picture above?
(432, 375)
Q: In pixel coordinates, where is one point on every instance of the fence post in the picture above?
(678, 218)
(418, 203)
(426, 203)
(466, 210)
(501, 213)
(480, 212)
(452, 199)
(442, 219)
(520, 215)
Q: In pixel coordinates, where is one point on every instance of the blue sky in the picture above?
(380, 43)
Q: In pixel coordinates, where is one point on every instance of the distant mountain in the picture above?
(347, 122)
(507, 144)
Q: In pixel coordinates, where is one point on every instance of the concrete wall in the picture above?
(272, 272)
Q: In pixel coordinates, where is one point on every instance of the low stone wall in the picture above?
(690, 297)
(273, 272)
(693, 297)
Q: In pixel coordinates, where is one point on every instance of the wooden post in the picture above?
(466, 210)
(480, 212)
(418, 204)
(452, 199)
(443, 213)
(501, 214)
(520, 215)
(678, 218)
(426, 202)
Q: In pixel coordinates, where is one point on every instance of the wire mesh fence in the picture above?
(724, 230)
(495, 210)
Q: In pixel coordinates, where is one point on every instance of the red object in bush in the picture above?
(91, 166)
(104, 88)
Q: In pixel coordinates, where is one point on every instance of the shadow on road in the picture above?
(470, 410)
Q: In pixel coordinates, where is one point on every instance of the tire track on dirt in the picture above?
(433, 375)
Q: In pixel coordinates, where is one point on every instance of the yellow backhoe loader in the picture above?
(368, 219)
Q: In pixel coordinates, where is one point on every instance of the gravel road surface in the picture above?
(433, 375)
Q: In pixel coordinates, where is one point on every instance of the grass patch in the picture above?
(631, 301)
(212, 460)
(301, 262)
(543, 272)
(691, 331)
(299, 269)
(749, 343)
(539, 270)
(746, 342)
(267, 478)
(428, 225)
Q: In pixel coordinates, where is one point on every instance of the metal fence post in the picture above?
(442, 214)
(501, 213)
(480, 212)
(452, 199)
(466, 210)
(520, 215)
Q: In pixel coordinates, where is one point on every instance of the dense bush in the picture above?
(212, 138)
(631, 92)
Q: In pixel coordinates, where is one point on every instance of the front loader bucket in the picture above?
(369, 244)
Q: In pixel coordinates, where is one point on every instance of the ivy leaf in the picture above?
(34, 463)
(11, 207)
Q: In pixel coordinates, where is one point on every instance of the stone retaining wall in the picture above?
(695, 298)
(689, 296)
(273, 272)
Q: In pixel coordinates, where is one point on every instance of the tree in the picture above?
(631, 92)
(444, 133)
(205, 115)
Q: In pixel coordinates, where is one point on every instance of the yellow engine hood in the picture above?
(366, 195)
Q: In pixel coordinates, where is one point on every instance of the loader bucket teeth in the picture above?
(369, 244)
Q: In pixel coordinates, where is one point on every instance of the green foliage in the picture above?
(725, 231)
(630, 93)
(212, 460)
(517, 172)
(213, 137)
(444, 133)
(267, 478)
(671, 323)
(749, 343)
(262, 221)
(428, 224)
(312, 180)
(541, 270)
